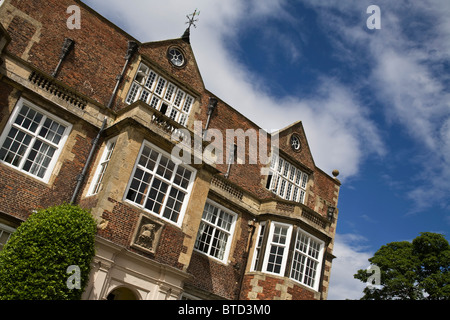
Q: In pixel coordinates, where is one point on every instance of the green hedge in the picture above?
(35, 260)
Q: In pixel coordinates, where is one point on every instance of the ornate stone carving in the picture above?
(147, 234)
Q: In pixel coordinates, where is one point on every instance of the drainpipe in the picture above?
(132, 47)
(211, 106)
(231, 160)
(251, 224)
(65, 50)
(82, 175)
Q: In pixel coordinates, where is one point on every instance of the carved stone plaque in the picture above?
(147, 234)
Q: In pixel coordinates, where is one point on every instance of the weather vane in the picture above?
(192, 19)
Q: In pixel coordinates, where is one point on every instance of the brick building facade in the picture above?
(94, 117)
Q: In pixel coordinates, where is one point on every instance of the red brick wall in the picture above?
(21, 31)
(98, 55)
(122, 222)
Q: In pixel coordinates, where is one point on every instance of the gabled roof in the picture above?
(303, 155)
(188, 73)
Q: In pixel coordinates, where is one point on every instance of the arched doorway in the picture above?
(121, 293)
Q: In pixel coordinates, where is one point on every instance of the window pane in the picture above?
(224, 220)
(133, 93)
(148, 158)
(28, 118)
(204, 237)
(52, 131)
(298, 266)
(219, 244)
(287, 180)
(14, 147)
(150, 80)
(156, 197)
(178, 98)
(169, 93)
(160, 86)
(174, 203)
(306, 259)
(182, 177)
(139, 186)
(39, 158)
(210, 213)
(188, 104)
(144, 96)
(275, 259)
(165, 168)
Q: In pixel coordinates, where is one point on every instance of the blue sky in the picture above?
(375, 104)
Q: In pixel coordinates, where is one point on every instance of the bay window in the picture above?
(303, 263)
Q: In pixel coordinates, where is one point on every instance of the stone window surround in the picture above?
(178, 164)
(46, 115)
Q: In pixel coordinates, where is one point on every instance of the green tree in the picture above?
(411, 270)
(35, 260)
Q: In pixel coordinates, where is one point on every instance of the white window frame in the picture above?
(35, 136)
(170, 182)
(258, 246)
(271, 243)
(286, 180)
(308, 258)
(230, 232)
(96, 183)
(178, 104)
(5, 229)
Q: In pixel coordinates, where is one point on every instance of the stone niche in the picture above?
(147, 234)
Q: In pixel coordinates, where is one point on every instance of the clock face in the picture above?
(295, 142)
(176, 57)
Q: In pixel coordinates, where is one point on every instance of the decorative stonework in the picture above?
(147, 234)
(57, 90)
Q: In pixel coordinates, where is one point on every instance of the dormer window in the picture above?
(286, 180)
(161, 94)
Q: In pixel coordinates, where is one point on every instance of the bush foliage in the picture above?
(34, 262)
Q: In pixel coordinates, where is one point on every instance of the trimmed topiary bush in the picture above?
(34, 263)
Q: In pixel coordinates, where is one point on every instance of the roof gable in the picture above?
(303, 154)
(188, 73)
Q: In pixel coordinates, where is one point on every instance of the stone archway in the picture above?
(122, 293)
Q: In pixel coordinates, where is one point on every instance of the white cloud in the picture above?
(351, 255)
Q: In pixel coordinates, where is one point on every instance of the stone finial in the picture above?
(335, 173)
